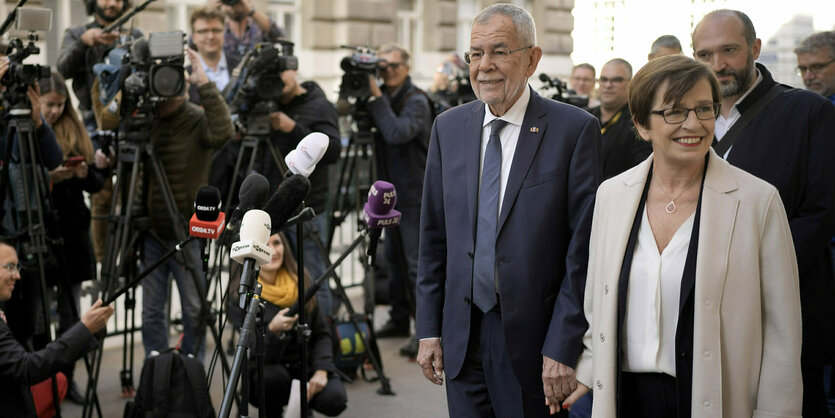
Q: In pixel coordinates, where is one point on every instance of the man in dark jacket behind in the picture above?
(403, 116)
(184, 139)
(20, 368)
(303, 109)
(86, 45)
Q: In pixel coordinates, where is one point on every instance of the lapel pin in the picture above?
(534, 129)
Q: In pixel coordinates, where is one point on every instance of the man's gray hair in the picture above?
(391, 47)
(814, 42)
(522, 20)
(665, 41)
(623, 62)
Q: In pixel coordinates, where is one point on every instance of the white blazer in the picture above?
(746, 342)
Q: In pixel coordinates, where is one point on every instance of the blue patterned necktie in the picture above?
(484, 260)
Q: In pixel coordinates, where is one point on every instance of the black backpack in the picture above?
(172, 385)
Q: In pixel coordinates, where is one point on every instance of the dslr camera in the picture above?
(564, 94)
(363, 62)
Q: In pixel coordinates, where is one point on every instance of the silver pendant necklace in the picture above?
(671, 207)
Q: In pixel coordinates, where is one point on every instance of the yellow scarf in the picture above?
(284, 292)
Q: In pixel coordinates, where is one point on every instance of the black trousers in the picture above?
(648, 395)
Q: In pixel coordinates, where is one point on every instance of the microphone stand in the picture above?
(303, 327)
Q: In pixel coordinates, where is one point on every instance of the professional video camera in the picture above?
(357, 67)
(20, 76)
(157, 66)
(564, 94)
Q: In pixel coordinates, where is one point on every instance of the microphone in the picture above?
(252, 194)
(207, 221)
(379, 213)
(284, 202)
(307, 154)
(544, 78)
(252, 249)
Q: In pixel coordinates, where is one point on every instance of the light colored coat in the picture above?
(747, 329)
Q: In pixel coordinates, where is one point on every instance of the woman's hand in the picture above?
(281, 323)
(574, 397)
(316, 383)
(80, 170)
(60, 174)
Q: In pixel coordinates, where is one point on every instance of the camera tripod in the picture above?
(128, 227)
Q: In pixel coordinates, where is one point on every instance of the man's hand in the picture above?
(373, 87)
(95, 36)
(95, 319)
(281, 122)
(559, 382)
(34, 93)
(431, 360)
(198, 76)
(281, 323)
(316, 383)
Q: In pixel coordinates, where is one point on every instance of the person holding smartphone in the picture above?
(69, 181)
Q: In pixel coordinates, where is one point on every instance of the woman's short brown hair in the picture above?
(681, 73)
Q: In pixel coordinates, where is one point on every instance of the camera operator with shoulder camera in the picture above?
(245, 27)
(86, 45)
(21, 368)
(298, 110)
(403, 117)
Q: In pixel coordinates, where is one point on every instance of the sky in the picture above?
(648, 19)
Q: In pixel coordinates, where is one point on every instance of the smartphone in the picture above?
(73, 162)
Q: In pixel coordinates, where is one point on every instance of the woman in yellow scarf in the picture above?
(281, 353)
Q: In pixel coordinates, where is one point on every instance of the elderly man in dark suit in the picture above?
(785, 137)
(507, 204)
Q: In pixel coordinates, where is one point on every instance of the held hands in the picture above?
(95, 319)
(316, 383)
(95, 36)
(198, 76)
(281, 323)
(559, 382)
(431, 360)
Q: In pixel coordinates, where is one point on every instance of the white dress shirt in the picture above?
(652, 301)
(509, 137)
(724, 124)
(220, 76)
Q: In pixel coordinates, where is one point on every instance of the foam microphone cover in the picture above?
(284, 202)
(379, 211)
(207, 203)
(254, 191)
(307, 154)
(140, 51)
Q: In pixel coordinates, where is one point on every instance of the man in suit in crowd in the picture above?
(621, 148)
(505, 221)
(783, 136)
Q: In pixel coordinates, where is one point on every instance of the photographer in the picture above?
(403, 117)
(184, 138)
(245, 28)
(86, 45)
(303, 109)
(21, 368)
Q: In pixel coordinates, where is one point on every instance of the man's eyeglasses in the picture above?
(12, 267)
(675, 115)
(498, 54)
(216, 31)
(814, 68)
(613, 80)
(393, 65)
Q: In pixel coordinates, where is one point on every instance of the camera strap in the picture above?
(722, 146)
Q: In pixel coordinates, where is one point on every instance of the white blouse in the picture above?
(652, 301)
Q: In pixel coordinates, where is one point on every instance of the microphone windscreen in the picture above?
(381, 197)
(544, 77)
(207, 203)
(256, 226)
(254, 191)
(140, 51)
(307, 154)
(284, 202)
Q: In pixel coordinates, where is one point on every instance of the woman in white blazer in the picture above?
(692, 294)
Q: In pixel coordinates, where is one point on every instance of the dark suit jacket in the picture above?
(622, 150)
(542, 243)
(20, 368)
(791, 144)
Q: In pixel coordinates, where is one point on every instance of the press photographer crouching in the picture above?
(20, 367)
(281, 350)
(271, 102)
